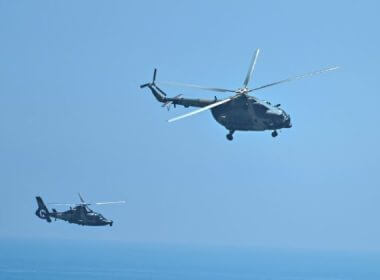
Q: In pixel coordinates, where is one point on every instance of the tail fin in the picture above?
(42, 211)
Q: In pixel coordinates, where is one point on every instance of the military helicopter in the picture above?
(241, 112)
(79, 213)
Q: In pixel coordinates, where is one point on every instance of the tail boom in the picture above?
(160, 95)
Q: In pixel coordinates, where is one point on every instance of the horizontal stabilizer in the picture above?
(169, 103)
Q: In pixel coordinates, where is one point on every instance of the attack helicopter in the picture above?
(240, 112)
(79, 213)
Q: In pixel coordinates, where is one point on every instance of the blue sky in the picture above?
(72, 118)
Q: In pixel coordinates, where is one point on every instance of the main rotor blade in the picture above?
(197, 87)
(200, 110)
(297, 77)
(62, 204)
(81, 198)
(251, 68)
(109, 202)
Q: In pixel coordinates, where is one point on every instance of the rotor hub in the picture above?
(242, 91)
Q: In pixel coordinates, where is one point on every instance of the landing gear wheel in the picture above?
(274, 133)
(230, 136)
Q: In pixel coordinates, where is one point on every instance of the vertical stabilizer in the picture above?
(42, 211)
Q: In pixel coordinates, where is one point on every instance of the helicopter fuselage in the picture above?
(247, 113)
(242, 113)
(81, 215)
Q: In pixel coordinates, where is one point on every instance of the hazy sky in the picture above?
(73, 118)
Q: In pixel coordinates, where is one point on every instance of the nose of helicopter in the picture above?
(105, 222)
(108, 222)
(287, 122)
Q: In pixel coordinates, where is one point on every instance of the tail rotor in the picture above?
(153, 81)
(154, 75)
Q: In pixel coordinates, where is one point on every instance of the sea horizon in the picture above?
(71, 259)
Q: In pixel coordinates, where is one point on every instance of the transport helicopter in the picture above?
(79, 213)
(240, 112)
